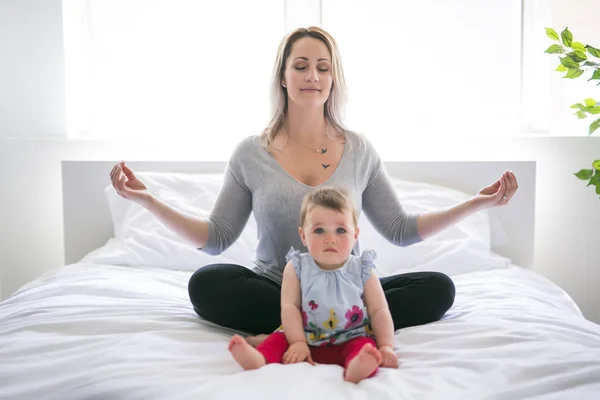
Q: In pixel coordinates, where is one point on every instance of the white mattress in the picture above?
(90, 331)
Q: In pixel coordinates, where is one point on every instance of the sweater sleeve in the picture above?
(232, 208)
(382, 206)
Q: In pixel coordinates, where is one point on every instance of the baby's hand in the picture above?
(296, 353)
(390, 359)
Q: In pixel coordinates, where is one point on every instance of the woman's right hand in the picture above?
(127, 185)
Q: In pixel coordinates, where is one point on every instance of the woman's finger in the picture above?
(122, 187)
(116, 177)
(112, 171)
(513, 181)
(128, 172)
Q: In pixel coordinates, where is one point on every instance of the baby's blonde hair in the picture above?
(332, 198)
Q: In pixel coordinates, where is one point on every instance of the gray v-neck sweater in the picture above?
(255, 182)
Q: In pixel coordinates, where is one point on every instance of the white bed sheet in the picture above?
(90, 331)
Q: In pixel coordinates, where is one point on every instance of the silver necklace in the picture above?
(321, 150)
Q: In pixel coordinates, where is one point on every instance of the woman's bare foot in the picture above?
(247, 356)
(254, 341)
(363, 365)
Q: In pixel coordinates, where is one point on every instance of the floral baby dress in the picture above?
(333, 310)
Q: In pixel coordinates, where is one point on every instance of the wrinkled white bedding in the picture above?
(92, 331)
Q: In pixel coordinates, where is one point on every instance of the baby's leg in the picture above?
(271, 350)
(362, 359)
(247, 356)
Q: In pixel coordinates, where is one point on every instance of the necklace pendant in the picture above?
(323, 151)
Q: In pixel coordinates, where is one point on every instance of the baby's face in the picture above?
(329, 235)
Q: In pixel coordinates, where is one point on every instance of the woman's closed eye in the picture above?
(303, 68)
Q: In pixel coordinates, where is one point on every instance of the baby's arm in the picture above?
(291, 317)
(381, 320)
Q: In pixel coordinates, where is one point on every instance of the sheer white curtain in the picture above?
(429, 66)
(182, 70)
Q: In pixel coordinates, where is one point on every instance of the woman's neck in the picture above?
(308, 125)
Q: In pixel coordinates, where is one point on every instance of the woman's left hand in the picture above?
(498, 193)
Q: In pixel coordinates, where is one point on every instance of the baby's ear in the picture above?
(302, 235)
(356, 232)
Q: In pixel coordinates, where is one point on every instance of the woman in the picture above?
(305, 145)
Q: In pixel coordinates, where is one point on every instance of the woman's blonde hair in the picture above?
(332, 198)
(334, 106)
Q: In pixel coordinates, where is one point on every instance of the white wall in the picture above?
(32, 145)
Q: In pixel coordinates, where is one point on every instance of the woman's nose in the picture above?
(311, 75)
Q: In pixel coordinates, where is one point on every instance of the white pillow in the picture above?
(142, 240)
(462, 248)
(146, 241)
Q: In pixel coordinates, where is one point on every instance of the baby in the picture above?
(333, 309)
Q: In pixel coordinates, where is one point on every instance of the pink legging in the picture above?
(276, 344)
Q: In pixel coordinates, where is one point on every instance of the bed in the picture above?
(116, 323)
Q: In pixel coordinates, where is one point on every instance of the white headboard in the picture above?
(87, 222)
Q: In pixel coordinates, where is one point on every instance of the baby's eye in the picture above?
(341, 230)
(318, 231)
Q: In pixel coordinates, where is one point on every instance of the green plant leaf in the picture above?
(578, 105)
(594, 125)
(567, 62)
(590, 102)
(593, 51)
(577, 56)
(551, 33)
(573, 73)
(561, 68)
(555, 49)
(596, 165)
(597, 189)
(578, 46)
(591, 64)
(584, 174)
(581, 114)
(595, 75)
(592, 110)
(595, 180)
(567, 37)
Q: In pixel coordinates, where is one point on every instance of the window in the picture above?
(429, 66)
(547, 95)
(174, 69)
(184, 69)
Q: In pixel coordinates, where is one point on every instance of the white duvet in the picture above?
(90, 331)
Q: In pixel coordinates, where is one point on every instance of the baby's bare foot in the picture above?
(247, 356)
(363, 365)
(254, 341)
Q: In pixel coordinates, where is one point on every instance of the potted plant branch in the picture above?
(575, 58)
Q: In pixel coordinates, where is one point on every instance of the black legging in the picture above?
(236, 297)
